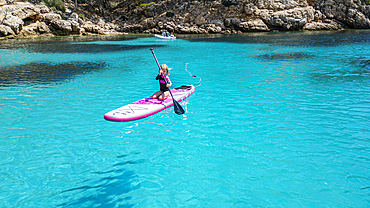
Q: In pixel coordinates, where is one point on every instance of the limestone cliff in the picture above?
(33, 18)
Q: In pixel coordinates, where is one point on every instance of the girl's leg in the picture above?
(164, 95)
(157, 94)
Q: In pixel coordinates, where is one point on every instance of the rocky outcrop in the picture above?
(14, 22)
(24, 19)
(6, 31)
(231, 16)
(353, 13)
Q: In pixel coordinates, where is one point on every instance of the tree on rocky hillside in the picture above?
(74, 7)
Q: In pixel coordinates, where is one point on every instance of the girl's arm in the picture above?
(169, 83)
(159, 75)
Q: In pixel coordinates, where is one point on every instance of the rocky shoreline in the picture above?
(23, 19)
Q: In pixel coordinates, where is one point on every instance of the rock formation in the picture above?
(23, 19)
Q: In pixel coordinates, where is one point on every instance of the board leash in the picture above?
(200, 79)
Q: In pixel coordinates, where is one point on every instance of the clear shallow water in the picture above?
(279, 120)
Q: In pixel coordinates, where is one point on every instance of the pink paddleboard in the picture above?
(148, 106)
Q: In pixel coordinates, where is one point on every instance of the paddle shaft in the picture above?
(177, 107)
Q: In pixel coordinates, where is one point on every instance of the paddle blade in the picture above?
(178, 109)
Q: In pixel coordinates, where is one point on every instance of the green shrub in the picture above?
(61, 7)
(170, 14)
(57, 4)
(81, 16)
(148, 4)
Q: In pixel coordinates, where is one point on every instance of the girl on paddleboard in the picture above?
(164, 92)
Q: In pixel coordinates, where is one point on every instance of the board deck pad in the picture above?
(148, 106)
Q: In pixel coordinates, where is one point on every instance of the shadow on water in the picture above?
(45, 73)
(306, 39)
(109, 191)
(287, 56)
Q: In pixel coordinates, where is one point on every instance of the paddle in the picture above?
(177, 107)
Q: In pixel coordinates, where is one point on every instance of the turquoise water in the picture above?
(276, 120)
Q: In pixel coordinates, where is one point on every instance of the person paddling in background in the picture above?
(163, 92)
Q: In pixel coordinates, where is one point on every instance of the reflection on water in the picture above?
(44, 73)
(25, 43)
(57, 45)
(287, 56)
(85, 48)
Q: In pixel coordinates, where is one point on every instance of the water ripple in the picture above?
(287, 56)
